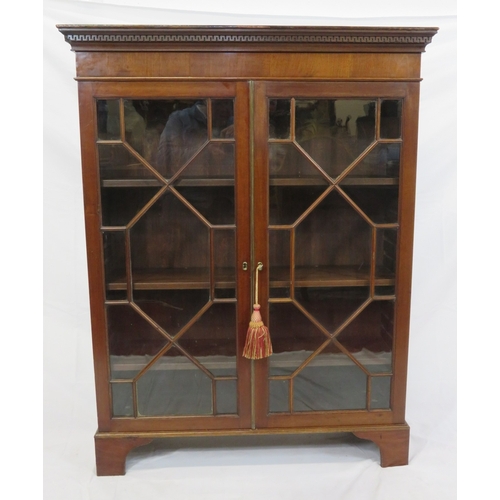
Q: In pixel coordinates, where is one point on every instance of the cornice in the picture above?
(108, 37)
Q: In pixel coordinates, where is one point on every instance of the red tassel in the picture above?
(258, 344)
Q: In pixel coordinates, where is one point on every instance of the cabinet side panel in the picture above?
(94, 251)
(405, 251)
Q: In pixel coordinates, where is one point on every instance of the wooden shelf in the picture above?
(197, 278)
(228, 182)
(370, 181)
(176, 279)
(191, 182)
(328, 276)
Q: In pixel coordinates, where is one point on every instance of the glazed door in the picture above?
(328, 184)
(172, 162)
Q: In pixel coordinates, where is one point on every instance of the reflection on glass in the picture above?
(369, 337)
(334, 132)
(390, 119)
(222, 118)
(215, 161)
(330, 382)
(108, 119)
(166, 133)
(123, 402)
(114, 264)
(381, 162)
(380, 393)
(184, 132)
(174, 385)
(287, 162)
(226, 396)
(279, 118)
(278, 395)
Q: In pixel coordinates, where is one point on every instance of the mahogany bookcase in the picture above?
(216, 158)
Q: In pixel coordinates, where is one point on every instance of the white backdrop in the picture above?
(294, 468)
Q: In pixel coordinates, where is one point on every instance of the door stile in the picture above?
(243, 245)
(261, 244)
(94, 251)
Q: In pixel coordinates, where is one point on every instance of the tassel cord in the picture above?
(258, 343)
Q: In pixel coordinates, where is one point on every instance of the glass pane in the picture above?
(170, 247)
(212, 339)
(132, 341)
(145, 121)
(287, 204)
(226, 396)
(170, 309)
(385, 270)
(116, 163)
(115, 265)
(288, 163)
(326, 251)
(207, 183)
(279, 118)
(108, 119)
(184, 133)
(224, 263)
(390, 119)
(119, 205)
(215, 204)
(222, 119)
(379, 203)
(330, 382)
(294, 338)
(374, 184)
(173, 385)
(278, 395)
(295, 183)
(123, 401)
(382, 162)
(369, 337)
(135, 125)
(334, 132)
(279, 262)
(214, 162)
(332, 306)
(380, 392)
